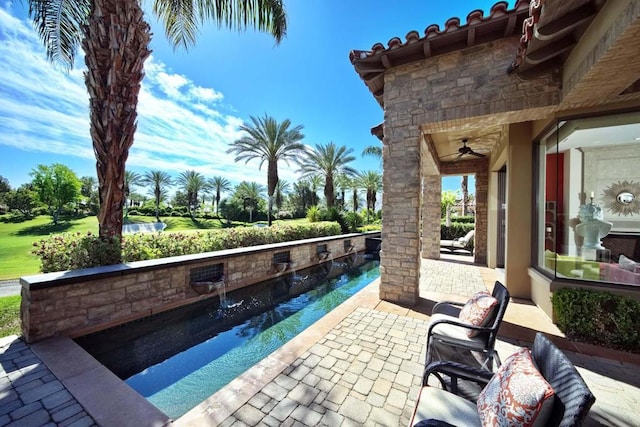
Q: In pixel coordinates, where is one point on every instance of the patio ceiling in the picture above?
(481, 140)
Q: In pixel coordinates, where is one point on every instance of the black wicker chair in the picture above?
(572, 401)
(447, 336)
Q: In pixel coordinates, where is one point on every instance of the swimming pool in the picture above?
(179, 358)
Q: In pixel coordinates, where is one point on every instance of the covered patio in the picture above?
(476, 97)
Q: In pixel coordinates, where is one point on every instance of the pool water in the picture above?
(178, 359)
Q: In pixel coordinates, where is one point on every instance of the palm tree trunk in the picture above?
(465, 194)
(272, 181)
(328, 191)
(116, 45)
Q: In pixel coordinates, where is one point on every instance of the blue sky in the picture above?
(192, 102)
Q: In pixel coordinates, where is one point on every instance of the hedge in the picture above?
(598, 317)
(71, 251)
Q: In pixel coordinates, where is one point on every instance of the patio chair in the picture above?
(567, 404)
(461, 243)
(448, 335)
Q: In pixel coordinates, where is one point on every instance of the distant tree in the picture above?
(315, 182)
(4, 188)
(158, 181)
(464, 186)
(192, 183)
(371, 181)
(23, 199)
(180, 199)
(328, 161)
(268, 141)
(89, 193)
(355, 199)
(372, 150)
(55, 185)
(300, 198)
(116, 38)
(281, 189)
(448, 199)
(343, 183)
(251, 193)
(219, 184)
(131, 179)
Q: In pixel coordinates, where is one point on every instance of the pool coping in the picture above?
(105, 397)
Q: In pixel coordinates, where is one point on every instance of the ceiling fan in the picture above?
(464, 150)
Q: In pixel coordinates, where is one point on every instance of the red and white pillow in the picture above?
(478, 310)
(516, 395)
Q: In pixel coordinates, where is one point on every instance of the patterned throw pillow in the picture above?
(477, 311)
(517, 395)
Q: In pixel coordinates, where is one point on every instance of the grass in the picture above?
(10, 316)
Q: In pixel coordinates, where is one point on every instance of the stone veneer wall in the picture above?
(453, 92)
(79, 302)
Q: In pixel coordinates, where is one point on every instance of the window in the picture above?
(589, 198)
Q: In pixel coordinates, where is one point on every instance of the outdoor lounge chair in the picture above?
(567, 406)
(461, 243)
(448, 335)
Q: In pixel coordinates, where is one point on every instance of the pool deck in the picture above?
(359, 365)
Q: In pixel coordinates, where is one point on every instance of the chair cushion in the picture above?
(455, 334)
(627, 263)
(517, 394)
(478, 310)
(436, 404)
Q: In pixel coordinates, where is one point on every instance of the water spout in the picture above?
(221, 287)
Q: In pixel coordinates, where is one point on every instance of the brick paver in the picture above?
(30, 395)
(359, 396)
(364, 372)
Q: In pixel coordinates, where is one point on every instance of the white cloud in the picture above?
(181, 125)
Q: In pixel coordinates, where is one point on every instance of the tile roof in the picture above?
(499, 23)
(548, 29)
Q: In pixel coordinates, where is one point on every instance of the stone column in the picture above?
(400, 254)
(432, 211)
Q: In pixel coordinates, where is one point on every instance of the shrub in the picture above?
(313, 214)
(598, 317)
(75, 251)
(353, 220)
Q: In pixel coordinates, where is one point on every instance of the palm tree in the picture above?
(282, 187)
(192, 183)
(159, 180)
(115, 39)
(328, 161)
(219, 184)
(315, 182)
(268, 141)
(131, 179)
(372, 150)
(465, 193)
(343, 182)
(250, 193)
(355, 200)
(372, 182)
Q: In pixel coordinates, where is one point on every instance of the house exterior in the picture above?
(541, 102)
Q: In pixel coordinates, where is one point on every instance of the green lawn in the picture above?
(18, 237)
(10, 316)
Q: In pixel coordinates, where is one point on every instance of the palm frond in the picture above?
(60, 24)
(181, 18)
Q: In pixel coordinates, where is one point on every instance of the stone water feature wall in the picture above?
(75, 303)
